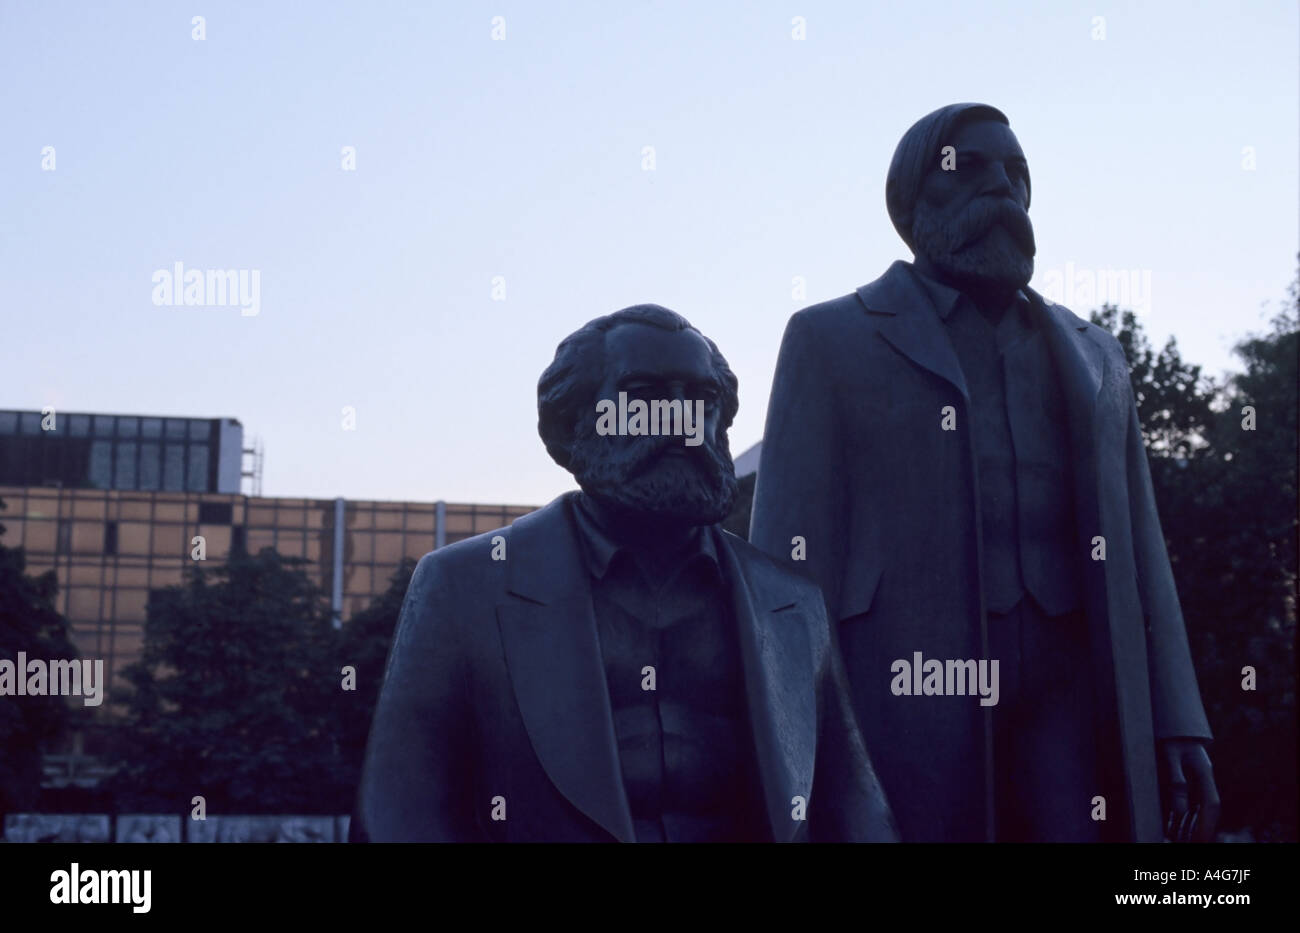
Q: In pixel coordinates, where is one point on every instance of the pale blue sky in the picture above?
(522, 158)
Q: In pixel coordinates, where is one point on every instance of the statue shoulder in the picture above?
(1074, 322)
(451, 567)
(826, 323)
(773, 575)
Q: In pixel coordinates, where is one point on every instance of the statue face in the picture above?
(972, 223)
(659, 477)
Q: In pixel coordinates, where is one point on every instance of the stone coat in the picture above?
(495, 688)
(855, 463)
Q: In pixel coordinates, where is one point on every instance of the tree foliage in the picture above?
(363, 645)
(235, 694)
(1227, 500)
(28, 725)
(239, 696)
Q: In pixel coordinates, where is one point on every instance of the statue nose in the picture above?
(1000, 183)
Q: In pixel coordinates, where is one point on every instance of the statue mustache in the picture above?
(983, 214)
(650, 450)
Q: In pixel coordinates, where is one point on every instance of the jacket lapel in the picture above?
(553, 656)
(910, 327)
(1083, 364)
(780, 686)
(1080, 358)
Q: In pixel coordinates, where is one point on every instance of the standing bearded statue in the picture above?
(615, 666)
(958, 463)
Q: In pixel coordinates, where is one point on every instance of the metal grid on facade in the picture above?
(109, 548)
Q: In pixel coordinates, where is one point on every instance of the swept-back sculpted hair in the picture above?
(567, 389)
(918, 153)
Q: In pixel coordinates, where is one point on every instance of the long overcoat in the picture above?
(494, 722)
(861, 489)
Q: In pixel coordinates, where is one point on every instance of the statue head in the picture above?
(654, 356)
(964, 210)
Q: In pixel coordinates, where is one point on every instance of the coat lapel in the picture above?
(910, 327)
(1084, 369)
(780, 686)
(1080, 358)
(1081, 364)
(553, 656)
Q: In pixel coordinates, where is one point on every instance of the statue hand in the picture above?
(1191, 801)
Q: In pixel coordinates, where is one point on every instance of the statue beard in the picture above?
(990, 242)
(639, 477)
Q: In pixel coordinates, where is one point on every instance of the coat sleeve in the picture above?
(848, 802)
(1175, 699)
(416, 784)
(800, 490)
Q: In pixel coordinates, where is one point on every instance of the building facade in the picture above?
(110, 547)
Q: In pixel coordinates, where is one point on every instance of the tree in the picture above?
(1227, 501)
(234, 696)
(28, 725)
(1174, 400)
(363, 645)
(1241, 592)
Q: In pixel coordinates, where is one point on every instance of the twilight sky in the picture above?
(1164, 153)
